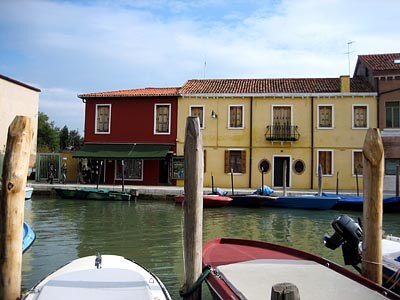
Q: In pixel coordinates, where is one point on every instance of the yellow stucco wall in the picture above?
(217, 137)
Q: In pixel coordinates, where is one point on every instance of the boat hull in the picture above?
(248, 269)
(28, 237)
(355, 203)
(305, 202)
(28, 192)
(114, 278)
(92, 194)
(251, 200)
(208, 200)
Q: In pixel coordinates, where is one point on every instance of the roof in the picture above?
(141, 92)
(20, 83)
(271, 86)
(381, 62)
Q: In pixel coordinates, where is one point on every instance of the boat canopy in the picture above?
(123, 151)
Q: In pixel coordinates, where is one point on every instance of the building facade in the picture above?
(17, 98)
(382, 71)
(130, 135)
(254, 129)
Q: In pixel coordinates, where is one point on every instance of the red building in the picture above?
(383, 72)
(130, 136)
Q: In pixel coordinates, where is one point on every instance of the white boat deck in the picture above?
(254, 280)
(117, 278)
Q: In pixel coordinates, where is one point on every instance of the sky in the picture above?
(70, 47)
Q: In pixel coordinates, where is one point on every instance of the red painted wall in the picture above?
(132, 120)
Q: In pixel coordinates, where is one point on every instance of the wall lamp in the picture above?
(214, 115)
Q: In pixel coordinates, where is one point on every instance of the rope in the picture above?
(395, 277)
(197, 284)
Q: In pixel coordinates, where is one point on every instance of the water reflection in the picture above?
(150, 232)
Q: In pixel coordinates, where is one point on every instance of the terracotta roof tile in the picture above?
(142, 92)
(381, 62)
(271, 86)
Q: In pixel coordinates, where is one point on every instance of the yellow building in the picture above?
(254, 125)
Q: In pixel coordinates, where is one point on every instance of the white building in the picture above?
(17, 99)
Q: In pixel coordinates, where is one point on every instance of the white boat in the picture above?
(100, 277)
(391, 262)
(28, 192)
(348, 234)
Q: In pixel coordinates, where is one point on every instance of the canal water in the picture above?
(150, 232)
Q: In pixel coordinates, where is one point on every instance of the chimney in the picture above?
(345, 84)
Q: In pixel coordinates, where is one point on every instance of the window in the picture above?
(325, 159)
(360, 116)
(162, 118)
(264, 166)
(391, 165)
(325, 116)
(133, 169)
(235, 160)
(103, 117)
(235, 116)
(357, 162)
(392, 109)
(198, 111)
(299, 166)
(282, 118)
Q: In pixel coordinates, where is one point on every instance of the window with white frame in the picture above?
(391, 165)
(235, 117)
(360, 116)
(325, 159)
(235, 161)
(392, 112)
(357, 162)
(325, 116)
(162, 118)
(198, 111)
(103, 118)
(133, 169)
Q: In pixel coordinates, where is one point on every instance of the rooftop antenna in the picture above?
(205, 66)
(348, 53)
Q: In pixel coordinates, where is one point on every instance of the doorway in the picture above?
(278, 171)
(163, 171)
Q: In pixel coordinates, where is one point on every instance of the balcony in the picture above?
(282, 133)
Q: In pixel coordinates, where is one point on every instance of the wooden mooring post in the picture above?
(15, 171)
(373, 167)
(193, 206)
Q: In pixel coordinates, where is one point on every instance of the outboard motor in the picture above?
(348, 234)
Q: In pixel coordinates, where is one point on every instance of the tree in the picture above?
(75, 141)
(48, 135)
(52, 139)
(64, 138)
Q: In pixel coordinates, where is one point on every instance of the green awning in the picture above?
(122, 151)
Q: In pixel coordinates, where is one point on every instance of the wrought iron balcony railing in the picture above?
(282, 133)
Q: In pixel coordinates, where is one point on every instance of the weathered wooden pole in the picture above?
(373, 166)
(193, 206)
(397, 180)
(284, 177)
(285, 291)
(319, 180)
(15, 172)
(337, 183)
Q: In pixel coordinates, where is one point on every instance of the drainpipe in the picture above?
(251, 141)
(312, 143)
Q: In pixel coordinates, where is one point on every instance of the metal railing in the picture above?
(282, 133)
